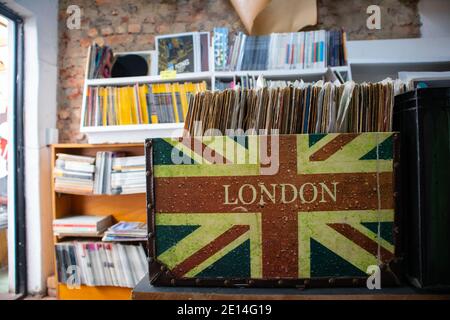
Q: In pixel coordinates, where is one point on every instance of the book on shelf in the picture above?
(128, 175)
(76, 158)
(126, 231)
(279, 51)
(183, 52)
(129, 164)
(74, 166)
(106, 173)
(99, 62)
(100, 264)
(220, 48)
(74, 173)
(83, 225)
(296, 107)
(139, 104)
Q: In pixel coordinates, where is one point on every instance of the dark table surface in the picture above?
(145, 291)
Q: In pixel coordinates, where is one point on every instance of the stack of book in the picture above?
(128, 175)
(74, 174)
(100, 264)
(100, 61)
(322, 107)
(126, 231)
(86, 226)
(295, 50)
(139, 104)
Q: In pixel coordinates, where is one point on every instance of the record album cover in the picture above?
(176, 52)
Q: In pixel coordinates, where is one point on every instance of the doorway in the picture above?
(4, 133)
(12, 203)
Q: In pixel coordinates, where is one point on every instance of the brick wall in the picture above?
(131, 26)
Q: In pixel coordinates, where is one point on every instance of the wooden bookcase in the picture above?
(122, 207)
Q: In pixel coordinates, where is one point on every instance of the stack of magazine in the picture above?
(74, 173)
(100, 264)
(126, 231)
(86, 226)
(128, 175)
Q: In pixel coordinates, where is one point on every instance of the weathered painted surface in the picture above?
(317, 206)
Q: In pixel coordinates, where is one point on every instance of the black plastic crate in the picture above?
(423, 119)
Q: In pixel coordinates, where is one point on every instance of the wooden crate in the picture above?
(316, 210)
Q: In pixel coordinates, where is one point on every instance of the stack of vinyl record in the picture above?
(321, 107)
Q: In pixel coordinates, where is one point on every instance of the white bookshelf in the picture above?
(132, 133)
(287, 74)
(375, 60)
(138, 133)
(410, 51)
(192, 77)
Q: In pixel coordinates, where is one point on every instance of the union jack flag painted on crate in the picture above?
(280, 207)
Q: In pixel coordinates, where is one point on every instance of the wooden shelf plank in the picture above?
(94, 293)
(124, 128)
(278, 74)
(192, 76)
(96, 146)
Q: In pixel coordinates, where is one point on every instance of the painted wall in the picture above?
(435, 18)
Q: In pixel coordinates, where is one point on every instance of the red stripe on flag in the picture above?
(362, 240)
(210, 249)
(332, 147)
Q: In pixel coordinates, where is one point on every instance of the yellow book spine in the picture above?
(153, 114)
(133, 117)
(183, 98)
(120, 106)
(105, 106)
(129, 110)
(125, 107)
(137, 103)
(117, 106)
(172, 88)
(143, 90)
